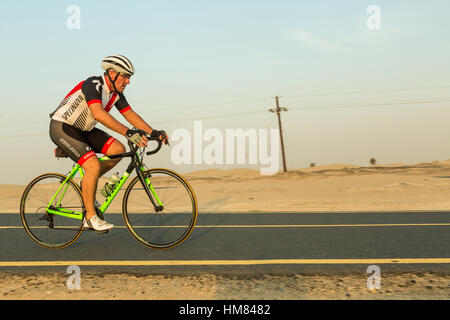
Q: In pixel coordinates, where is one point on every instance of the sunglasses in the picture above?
(124, 75)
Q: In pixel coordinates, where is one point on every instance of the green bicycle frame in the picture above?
(54, 209)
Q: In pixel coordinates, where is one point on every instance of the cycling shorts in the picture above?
(78, 144)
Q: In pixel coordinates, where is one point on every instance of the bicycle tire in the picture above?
(44, 228)
(156, 229)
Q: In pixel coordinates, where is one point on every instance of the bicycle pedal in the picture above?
(102, 232)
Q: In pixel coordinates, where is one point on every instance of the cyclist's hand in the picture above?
(137, 137)
(161, 135)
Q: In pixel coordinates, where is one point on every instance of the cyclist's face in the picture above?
(122, 81)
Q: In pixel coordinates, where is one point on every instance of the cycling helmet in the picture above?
(118, 63)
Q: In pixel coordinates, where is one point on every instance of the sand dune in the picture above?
(341, 187)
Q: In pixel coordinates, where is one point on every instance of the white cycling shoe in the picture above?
(97, 224)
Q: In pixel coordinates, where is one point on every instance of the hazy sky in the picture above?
(353, 93)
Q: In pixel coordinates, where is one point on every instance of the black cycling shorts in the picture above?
(79, 145)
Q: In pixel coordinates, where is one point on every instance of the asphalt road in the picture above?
(249, 244)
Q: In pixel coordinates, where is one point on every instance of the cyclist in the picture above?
(72, 127)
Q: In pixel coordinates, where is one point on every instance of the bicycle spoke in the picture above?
(57, 227)
(169, 227)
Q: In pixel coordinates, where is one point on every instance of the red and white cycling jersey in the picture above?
(74, 109)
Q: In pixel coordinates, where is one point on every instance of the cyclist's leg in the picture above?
(91, 168)
(104, 143)
(116, 147)
(74, 142)
(70, 139)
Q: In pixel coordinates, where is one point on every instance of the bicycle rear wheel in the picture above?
(39, 213)
(170, 226)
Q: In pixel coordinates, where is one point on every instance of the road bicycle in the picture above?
(159, 206)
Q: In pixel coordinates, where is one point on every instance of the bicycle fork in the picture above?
(148, 187)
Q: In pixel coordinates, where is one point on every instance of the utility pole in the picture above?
(278, 111)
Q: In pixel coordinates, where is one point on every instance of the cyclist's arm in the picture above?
(136, 121)
(106, 119)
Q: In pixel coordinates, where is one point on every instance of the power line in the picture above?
(367, 105)
(24, 124)
(270, 122)
(214, 104)
(367, 91)
(343, 106)
(24, 135)
(212, 117)
(263, 99)
(308, 94)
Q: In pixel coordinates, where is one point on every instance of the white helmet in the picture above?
(118, 63)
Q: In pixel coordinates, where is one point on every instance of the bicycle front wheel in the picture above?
(52, 211)
(176, 203)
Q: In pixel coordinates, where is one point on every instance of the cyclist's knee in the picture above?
(91, 166)
(116, 148)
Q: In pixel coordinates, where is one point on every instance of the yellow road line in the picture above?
(223, 262)
(279, 225)
(325, 225)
